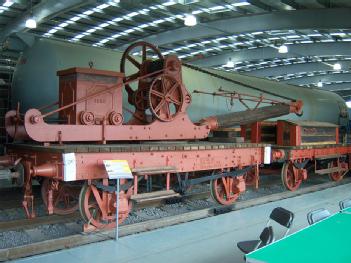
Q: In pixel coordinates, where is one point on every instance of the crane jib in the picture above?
(235, 81)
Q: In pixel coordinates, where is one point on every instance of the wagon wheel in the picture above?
(13, 121)
(91, 211)
(145, 47)
(65, 196)
(290, 181)
(250, 177)
(140, 100)
(337, 176)
(165, 98)
(224, 190)
(17, 120)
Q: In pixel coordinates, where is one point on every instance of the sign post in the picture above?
(117, 208)
(116, 170)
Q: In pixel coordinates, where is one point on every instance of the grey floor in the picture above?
(209, 240)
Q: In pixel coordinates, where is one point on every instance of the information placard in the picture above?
(118, 169)
(69, 167)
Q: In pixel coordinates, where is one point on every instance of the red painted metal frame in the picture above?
(89, 165)
(337, 135)
(43, 132)
(310, 152)
(280, 133)
(300, 154)
(294, 132)
(77, 83)
(255, 134)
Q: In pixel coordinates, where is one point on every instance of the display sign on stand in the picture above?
(116, 170)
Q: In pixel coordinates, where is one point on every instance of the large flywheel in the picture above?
(165, 98)
(148, 53)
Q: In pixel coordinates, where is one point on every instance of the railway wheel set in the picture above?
(159, 141)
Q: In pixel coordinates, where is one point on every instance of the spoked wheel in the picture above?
(250, 178)
(291, 180)
(65, 196)
(98, 208)
(147, 51)
(140, 99)
(224, 190)
(339, 175)
(165, 98)
(14, 124)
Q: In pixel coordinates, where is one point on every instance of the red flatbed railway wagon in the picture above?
(303, 147)
(298, 161)
(62, 165)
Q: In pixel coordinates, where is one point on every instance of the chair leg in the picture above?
(268, 222)
(257, 246)
(286, 232)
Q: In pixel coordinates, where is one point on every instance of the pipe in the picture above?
(250, 116)
(6, 161)
(45, 170)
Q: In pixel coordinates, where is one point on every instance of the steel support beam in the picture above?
(342, 89)
(337, 86)
(347, 98)
(323, 78)
(322, 18)
(346, 92)
(296, 50)
(296, 68)
(41, 11)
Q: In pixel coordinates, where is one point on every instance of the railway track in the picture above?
(25, 224)
(79, 239)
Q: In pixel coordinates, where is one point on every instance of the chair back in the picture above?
(267, 236)
(345, 204)
(282, 216)
(317, 215)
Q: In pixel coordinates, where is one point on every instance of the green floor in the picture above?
(326, 241)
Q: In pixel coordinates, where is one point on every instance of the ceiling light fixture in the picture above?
(190, 20)
(320, 84)
(8, 3)
(169, 3)
(283, 49)
(242, 3)
(230, 64)
(30, 22)
(337, 66)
